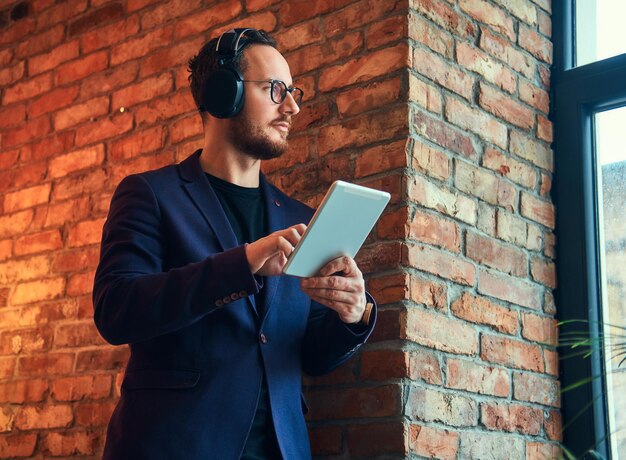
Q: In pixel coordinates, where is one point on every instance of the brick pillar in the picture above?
(442, 103)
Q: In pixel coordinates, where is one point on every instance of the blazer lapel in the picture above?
(205, 199)
(275, 222)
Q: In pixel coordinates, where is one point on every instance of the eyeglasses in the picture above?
(280, 89)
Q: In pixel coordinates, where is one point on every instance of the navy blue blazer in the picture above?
(174, 284)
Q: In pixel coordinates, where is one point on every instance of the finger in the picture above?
(344, 310)
(300, 228)
(282, 245)
(349, 298)
(291, 234)
(344, 264)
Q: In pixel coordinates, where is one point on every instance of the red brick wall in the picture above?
(442, 103)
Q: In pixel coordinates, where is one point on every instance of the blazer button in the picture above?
(263, 338)
(219, 303)
(226, 300)
(234, 296)
(243, 294)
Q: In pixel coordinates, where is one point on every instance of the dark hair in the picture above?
(205, 62)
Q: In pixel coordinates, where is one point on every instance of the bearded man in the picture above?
(190, 277)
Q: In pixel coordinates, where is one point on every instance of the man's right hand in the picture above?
(267, 256)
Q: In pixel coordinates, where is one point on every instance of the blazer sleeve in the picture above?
(329, 342)
(134, 298)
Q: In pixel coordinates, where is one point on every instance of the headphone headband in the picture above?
(230, 43)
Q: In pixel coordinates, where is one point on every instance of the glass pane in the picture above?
(600, 31)
(610, 129)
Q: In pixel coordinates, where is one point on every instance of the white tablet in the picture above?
(339, 227)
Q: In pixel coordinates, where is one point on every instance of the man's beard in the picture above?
(254, 141)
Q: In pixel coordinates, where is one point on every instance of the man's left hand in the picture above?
(340, 287)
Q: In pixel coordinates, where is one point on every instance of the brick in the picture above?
(361, 131)
(85, 233)
(505, 108)
(104, 83)
(536, 389)
(94, 18)
(6, 56)
(9, 158)
(299, 10)
(141, 92)
(389, 288)
(139, 143)
(15, 224)
(432, 229)
(36, 291)
(13, 271)
(432, 442)
(517, 171)
(482, 311)
(477, 121)
(23, 391)
(444, 15)
(442, 264)
(93, 414)
(477, 378)
(85, 387)
(541, 451)
(546, 185)
(17, 31)
(380, 158)
(55, 416)
(538, 210)
(377, 439)
(28, 89)
(70, 443)
(509, 352)
(371, 96)
(521, 9)
(490, 252)
(107, 128)
(12, 74)
(440, 332)
(17, 445)
(485, 185)
(38, 242)
(428, 292)
(36, 315)
(326, 439)
(299, 35)
(50, 146)
(375, 64)
(536, 97)
(423, 31)
(344, 374)
(539, 329)
(393, 225)
(12, 116)
(535, 44)
(186, 128)
(60, 12)
(76, 185)
(544, 24)
(543, 271)
(34, 128)
(81, 68)
(102, 359)
(386, 31)
(424, 365)
(477, 445)
(75, 260)
(505, 51)
(316, 56)
(54, 100)
(384, 364)
(490, 15)
(140, 46)
(433, 196)
(110, 34)
(511, 228)
(471, 58)
(6, 249)
(207, 18)
(551, 361)
(45, 41)
(430, 405)
(52, 59)
(75, 161)
(164, 108)
(169, 57)
(430, 160)
(553, 425)
(359, 14)
(513, 418)
(27, 198)
(379, 401)
(509, 289)
(78, 113)
(443, 134)
(442, 72)
(140, 164)
(425, 94)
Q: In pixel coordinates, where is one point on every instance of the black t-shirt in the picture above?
(245, 209)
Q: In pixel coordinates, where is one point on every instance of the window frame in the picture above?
(577, 94)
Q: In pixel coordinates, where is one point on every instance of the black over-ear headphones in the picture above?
(223, 91)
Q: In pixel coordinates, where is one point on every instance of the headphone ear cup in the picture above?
(223, 93)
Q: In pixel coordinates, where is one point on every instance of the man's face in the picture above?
(262, 127)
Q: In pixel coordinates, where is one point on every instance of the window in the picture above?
(589, 114)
